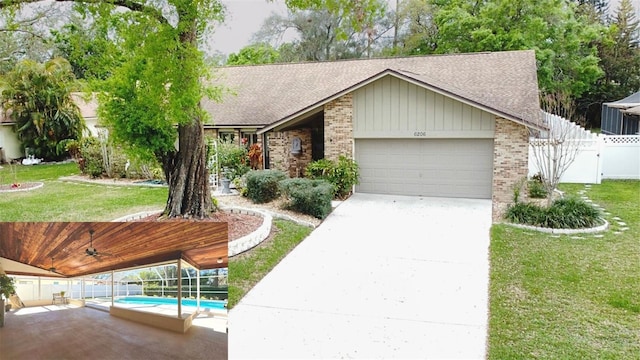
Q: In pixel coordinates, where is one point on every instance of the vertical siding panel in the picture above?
(443, 120)
(394, 98)
(377, 106)
(488, 121)
(403, 111)
(457, 113)
(438, 115)
(466, 115)
(411, 107)
(477, 119)
(443, 111)
(388, 104)
(421, 110)
(429, 103)
(358, 109)
(369, 112)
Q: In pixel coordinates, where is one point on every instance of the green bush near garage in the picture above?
(568, 213)
(262, 185)
(311, 197)
(342, 175)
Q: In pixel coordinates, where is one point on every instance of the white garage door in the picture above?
(435, 167)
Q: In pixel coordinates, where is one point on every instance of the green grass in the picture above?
(246, 271)
(556, 297)
(69, 201)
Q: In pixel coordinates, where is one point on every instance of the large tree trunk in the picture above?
(186, 171)
(188, 176)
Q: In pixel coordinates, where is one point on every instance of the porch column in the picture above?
(179, 288)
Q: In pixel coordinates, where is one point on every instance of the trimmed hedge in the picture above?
(311, 197)
(569, 213)
(262, 185)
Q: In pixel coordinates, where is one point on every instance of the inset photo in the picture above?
(113, 289)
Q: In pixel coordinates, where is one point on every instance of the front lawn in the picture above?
(569, 296)
(69, 201)
(246, 270)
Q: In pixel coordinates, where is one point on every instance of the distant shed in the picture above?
(621, 117)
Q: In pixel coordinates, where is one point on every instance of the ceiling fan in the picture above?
(52, 268)
(91, 251)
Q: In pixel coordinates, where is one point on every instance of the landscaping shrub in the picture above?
(524, 213)
(97, 158)
(536, 190)
(342, 175)
(232, 159)
(241, 185)
(320, 169)
(536, 187)
(90, 162)
(569, 213)
(311, 197)
(262, 185)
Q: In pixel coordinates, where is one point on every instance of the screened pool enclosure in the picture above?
(159, 281)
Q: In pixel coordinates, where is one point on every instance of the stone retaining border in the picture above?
(136, 216)
(244, 243)
(596, 229)
(251, 240)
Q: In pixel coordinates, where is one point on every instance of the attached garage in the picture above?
(436, 167)
(412, 140)
(454, 125)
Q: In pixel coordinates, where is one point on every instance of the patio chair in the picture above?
(58, 297)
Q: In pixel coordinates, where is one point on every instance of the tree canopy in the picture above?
(152, 100)
(37, 97)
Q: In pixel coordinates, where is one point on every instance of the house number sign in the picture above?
(420, 133)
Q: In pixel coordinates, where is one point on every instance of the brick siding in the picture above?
(280, 156)
(510, 163)
(338, 127)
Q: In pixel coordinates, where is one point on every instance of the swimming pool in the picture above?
(149, 300)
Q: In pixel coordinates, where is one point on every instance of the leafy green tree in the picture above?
(254, 54)
(152, 101)
(564, 41)
(92, 49)
(415, 29)
(23, 35)
(37, 98)
(358, 13)
(564, 44)
(619, 52)
(322, 35)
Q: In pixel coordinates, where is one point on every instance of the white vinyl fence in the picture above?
(599, 156)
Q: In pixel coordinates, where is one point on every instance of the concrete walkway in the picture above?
(382, 277)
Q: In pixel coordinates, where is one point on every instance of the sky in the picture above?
(244, 18)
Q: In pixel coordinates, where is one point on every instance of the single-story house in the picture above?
(446, 125)
(621, 117)
(10, 146)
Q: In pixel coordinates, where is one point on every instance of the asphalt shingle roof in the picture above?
(504, 82)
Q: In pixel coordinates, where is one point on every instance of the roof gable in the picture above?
(504, 83)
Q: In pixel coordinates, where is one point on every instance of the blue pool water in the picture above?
(147, 300)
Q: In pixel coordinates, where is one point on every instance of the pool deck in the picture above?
(213, 318)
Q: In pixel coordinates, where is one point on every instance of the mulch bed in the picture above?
(20, 187)
(239, 224)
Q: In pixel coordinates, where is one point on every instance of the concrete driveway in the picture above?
(381, 277)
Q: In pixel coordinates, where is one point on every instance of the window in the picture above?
(248, 138)
(227, 136)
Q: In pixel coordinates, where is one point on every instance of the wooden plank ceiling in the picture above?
(120, 245)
